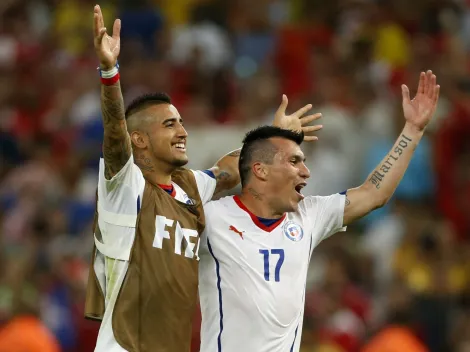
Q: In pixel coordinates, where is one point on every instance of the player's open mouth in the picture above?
(298, 189)
(180, 147)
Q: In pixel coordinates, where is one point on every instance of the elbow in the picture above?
(381, 202)
(376, 198)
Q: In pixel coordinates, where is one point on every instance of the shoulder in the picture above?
(222, 203)
(204, 178)
(321, 203)
(123, 189)
(130, 175)
(200, 181)
(220, 206)
(184, 178)
(324, 213)
(309, 204)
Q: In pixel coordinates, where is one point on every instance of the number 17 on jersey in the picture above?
(269, 255)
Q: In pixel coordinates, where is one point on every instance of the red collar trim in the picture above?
(169, 188)
(255, 218)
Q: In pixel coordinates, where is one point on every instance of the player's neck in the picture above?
(158, 178)
(257, 203)
(154, 171)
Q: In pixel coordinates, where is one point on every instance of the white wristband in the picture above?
(111, 73)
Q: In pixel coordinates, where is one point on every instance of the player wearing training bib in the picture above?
(143, 276)
(256, 248)
(126, 196)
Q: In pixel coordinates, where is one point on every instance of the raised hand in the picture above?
(419, 111)
(107, 47)
(295, 121)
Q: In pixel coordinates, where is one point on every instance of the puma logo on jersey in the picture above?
(234, 229)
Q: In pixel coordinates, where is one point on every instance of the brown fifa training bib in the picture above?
(157, 299)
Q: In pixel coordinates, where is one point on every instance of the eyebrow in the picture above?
(172, 119)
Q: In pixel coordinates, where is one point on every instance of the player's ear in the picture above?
(260, 170)
(139, 139)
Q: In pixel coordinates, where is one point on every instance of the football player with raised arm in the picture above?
(256, 247)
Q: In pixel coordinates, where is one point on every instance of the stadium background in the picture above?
(402, 272)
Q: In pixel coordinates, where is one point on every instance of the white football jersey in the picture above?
(252, 277)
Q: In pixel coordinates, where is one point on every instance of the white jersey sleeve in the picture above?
(205, 185)
(326, 213)
(119, 201)
(119, 194)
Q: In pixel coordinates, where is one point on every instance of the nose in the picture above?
(181, 132)
(304, 171)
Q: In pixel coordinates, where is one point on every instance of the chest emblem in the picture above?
(188, 200)
(238, 232)
(293, 231)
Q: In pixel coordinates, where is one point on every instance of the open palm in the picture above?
(295, 121)
(107, 47)
(419, 111)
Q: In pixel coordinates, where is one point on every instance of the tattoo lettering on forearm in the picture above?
(378, 175)
(116, 143)
(376, 179)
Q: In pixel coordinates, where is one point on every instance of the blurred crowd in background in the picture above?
(399, 280)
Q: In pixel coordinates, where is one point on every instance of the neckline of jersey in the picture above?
(255, 218)
(170, 189)
(173, 196)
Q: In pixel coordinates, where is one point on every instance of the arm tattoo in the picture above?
(221, 180)
(116, 143)
(227, 175)
(222, 176)
(347, 201)
(379, 174)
